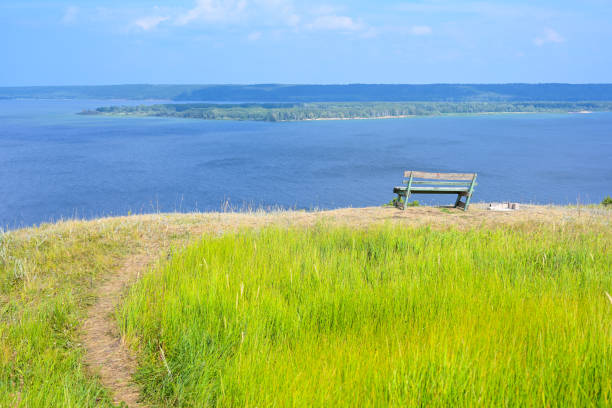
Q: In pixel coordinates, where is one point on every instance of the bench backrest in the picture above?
(440, 179)
(467, 177)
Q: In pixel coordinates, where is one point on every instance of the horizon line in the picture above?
(308, 84)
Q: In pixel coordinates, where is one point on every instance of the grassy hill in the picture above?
(354, 305)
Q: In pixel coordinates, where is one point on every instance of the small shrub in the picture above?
(607, 201)
(391, 203)
(395, 203)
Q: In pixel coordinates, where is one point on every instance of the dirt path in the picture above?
(106, 355)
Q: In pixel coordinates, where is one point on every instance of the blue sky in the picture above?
(290, 41)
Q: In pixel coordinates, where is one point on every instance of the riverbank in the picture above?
(58, 277)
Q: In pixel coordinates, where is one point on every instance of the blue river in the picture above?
(55, 164)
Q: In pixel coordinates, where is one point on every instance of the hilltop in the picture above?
(519, 92)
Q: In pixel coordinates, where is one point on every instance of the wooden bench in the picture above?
(419, 182)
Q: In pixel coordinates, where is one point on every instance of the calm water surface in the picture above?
(55, 164)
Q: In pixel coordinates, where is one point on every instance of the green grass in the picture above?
(333, 316)
(47, 278)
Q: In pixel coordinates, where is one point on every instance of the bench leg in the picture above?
(458, 200)
(398, 201)
(461, 204)
(467, 202)
(406, 201)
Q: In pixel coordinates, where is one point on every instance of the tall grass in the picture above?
(47, 278)
(387, 316)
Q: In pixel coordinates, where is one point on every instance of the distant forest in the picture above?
(273, 112)
(326, 93)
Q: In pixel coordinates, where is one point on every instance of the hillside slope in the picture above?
(54, 276)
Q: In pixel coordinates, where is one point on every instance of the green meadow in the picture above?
(47, 278)
(381, 316)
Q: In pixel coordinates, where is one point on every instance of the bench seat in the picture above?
(432, 190)
(418, 182)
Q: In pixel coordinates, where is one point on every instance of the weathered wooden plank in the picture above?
(437, 192)
(439, 176)
(453, 189)
(443, 183)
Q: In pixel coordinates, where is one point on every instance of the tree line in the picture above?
(275, 112)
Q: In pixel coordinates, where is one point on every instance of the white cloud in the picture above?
(254, 36)
(150, 22)
(549, 36)
(333, 22)
(420, 30)
(70, 15)
(213, 11)
(257, 17)
(273, 12)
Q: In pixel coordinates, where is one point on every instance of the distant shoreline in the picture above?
(353, 118)
(293, 112)
(421, 116)
(118, 115)
(457, 92)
